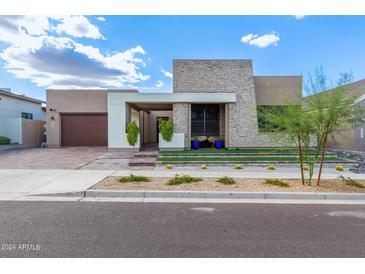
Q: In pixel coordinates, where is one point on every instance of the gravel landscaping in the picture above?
(245, 185)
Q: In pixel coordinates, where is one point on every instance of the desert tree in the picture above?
(331, 107)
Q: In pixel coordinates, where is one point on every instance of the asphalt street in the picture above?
(112, 229)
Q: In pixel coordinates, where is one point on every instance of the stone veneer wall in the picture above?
(223, 76)
(181, 120)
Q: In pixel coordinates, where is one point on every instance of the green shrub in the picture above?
(226, 181)
(166, 129)
(4, 140)
(132, 133)
(351, 182)
(183, 179)
(133, 178)
(276, 182)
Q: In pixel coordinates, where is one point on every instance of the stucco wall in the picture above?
(11, 107)
(71, 101)
(278, 90)
(11, 128)
(349, 139)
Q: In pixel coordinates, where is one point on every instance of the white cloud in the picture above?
(36, 52)
(159, 84)
(262, 41)
(77, 26)
(166, 73)
(101, 18)
(299, 17)
(246, 39)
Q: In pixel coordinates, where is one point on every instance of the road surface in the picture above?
(102, 229)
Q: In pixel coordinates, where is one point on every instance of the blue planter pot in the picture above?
(218, 144)
(196, 144)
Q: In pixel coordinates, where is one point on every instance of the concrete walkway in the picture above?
(18, 183)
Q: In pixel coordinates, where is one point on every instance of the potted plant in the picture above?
(195, 142)
(132, 133)
(218, 142)
(166, 129)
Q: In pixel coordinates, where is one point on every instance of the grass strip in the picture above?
(234, 151)
(234, 159)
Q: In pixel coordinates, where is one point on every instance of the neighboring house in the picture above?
(352, 138)
(22, 118)
(210, 97)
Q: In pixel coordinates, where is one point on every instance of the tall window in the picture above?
(205, 120)
(26, 115)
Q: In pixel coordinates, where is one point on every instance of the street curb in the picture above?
(222, 195)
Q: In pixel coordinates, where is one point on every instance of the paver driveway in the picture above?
(50, 158)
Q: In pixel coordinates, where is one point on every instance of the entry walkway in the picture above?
(17, 183)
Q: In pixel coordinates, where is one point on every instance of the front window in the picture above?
(205, 120)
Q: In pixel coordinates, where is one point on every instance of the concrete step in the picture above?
(143, 154)
(147, 161)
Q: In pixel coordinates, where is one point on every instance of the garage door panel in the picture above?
(84, 129)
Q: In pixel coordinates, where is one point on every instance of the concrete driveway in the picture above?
(50, 158)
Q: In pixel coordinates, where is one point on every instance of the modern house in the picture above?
(22, 118)
(210, 98)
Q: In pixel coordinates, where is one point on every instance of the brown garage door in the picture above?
(84, 129)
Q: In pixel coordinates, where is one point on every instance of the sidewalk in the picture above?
(17, 183)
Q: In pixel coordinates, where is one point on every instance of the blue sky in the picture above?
(137, 51)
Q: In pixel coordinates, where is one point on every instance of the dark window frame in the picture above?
(205, 122)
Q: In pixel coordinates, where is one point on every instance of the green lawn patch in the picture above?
(235, 151)
(183, 179)
(234, 159)
(276, 182)
(226, 181)
(133, 178)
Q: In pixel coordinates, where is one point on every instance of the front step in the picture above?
(139, 161)
(143, 154)
(144, 158)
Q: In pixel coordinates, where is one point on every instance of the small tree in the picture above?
(331, 111)
(294, 125)
(323, 113)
